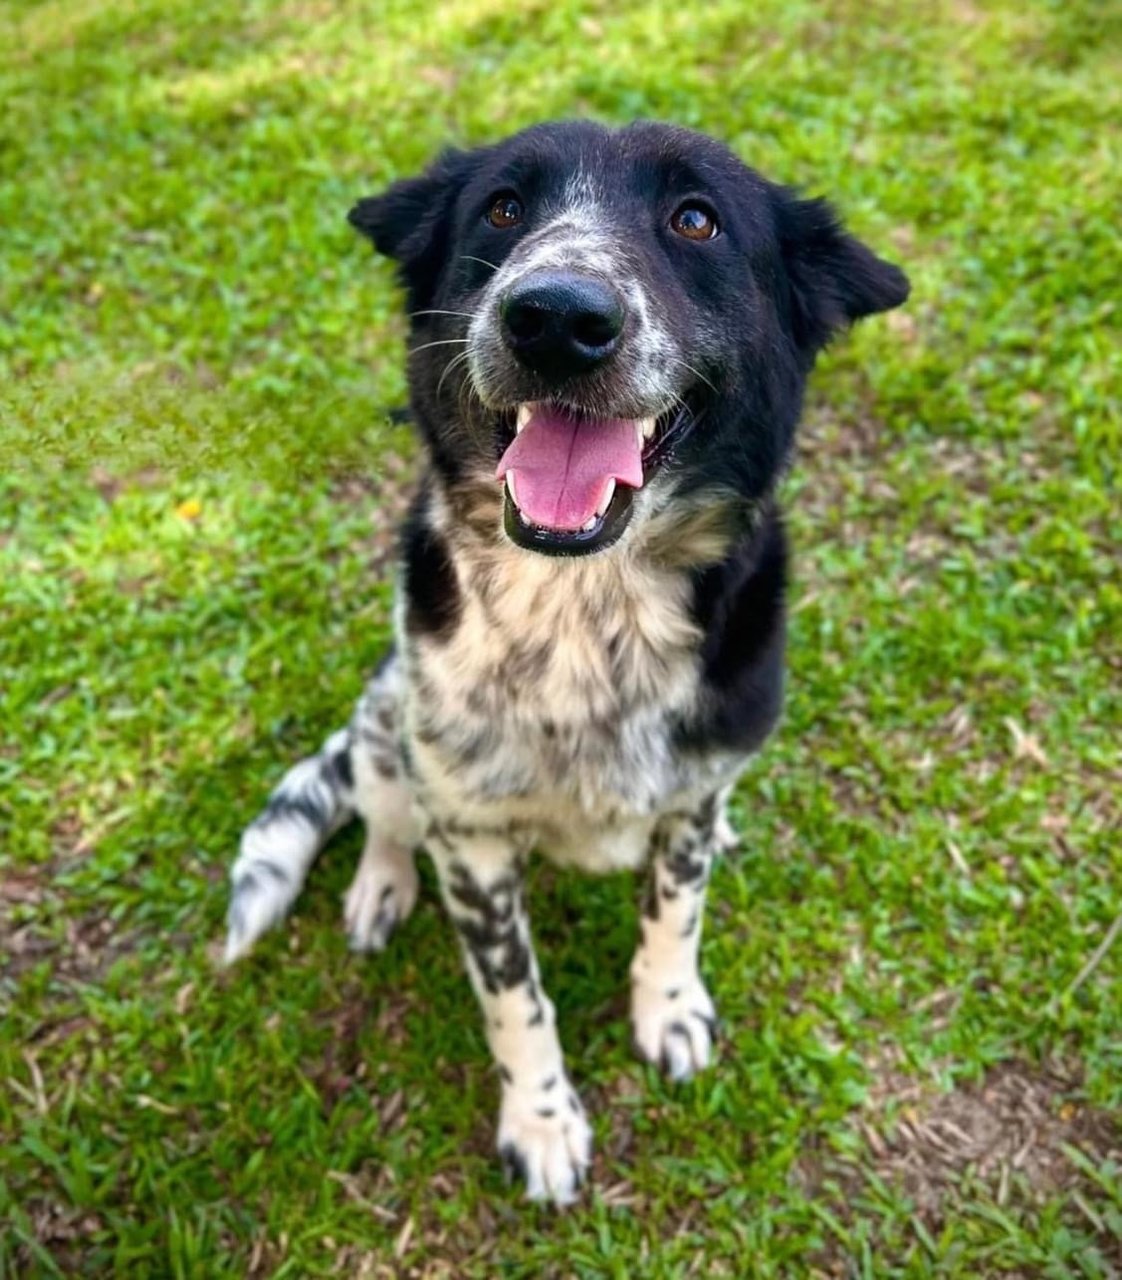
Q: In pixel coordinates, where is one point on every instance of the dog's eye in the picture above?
(505, 211)
(695, 222)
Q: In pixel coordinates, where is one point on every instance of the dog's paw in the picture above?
(381, 896)
(675, 1026)
(724, 833)
(547, 1145)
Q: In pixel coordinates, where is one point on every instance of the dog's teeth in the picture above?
(648, 427)
(605, 501)
(589, 525)
(511, 489)
(639, 437)
(525, 413)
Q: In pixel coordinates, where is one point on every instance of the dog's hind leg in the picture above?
(357, 772)
(315, 798)
(384, 889)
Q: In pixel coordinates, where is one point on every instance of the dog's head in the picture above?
(603, 319)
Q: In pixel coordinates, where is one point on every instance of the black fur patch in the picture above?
(272, 868)
(650, 898)
(740, 604)
(832, 278)
(341, 763)
(688, 864)
(300, 804)
(429, 581)
(514, 1165)
(490, 922)
(409, 222)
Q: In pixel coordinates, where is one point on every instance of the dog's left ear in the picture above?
(409, 221)
(834, 279)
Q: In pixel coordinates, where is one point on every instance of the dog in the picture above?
(610, 332)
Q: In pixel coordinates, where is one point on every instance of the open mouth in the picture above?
(570, 478)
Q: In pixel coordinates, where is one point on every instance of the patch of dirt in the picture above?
(1006, 1140)
(1017, 1119)
(354, 1024)
(65, 1233)
(111, 484)
(89, 943)
(24, 885)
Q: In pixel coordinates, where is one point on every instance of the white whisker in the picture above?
(467, 257)
(442, 342)
(436, 312)
(696, 372)
(462, 357)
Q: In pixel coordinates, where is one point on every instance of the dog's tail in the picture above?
(315, 798)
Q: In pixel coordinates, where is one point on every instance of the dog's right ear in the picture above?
(409, 221)
(833, 278)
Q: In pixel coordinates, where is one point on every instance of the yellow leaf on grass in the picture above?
(189, 509)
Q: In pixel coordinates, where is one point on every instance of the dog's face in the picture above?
(604, 319)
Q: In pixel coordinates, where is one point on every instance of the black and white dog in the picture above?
(610, 333)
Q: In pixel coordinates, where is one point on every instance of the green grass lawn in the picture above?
(922, 1073)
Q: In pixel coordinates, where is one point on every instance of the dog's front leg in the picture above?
(544, 1137)
(672, 1013)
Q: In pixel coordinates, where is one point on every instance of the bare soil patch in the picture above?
(1021, 1136)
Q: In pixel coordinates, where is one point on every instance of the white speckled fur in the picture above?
(578, 751)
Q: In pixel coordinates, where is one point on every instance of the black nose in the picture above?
(560, 323)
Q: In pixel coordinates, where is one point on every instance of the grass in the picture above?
(197, 364)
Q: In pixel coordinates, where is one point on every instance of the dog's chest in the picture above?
(558, 690)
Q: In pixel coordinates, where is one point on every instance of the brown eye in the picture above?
(505, 212)
(694, 222)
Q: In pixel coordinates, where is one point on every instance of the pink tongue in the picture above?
(562, 465)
